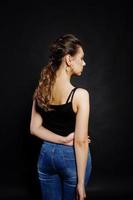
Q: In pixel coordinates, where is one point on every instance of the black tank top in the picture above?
(62, 119)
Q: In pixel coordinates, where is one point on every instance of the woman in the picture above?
(60, 115)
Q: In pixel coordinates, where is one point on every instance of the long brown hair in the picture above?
(65, 44)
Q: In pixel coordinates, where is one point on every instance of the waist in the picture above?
(53, 144)
(49, 145)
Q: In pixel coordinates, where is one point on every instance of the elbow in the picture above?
(32, 130)
(81, 143)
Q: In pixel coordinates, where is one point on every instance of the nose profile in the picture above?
(84, 64)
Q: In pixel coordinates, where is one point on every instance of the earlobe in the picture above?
(67, 69)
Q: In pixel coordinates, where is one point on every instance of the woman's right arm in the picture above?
(81, 138)
(40, 131)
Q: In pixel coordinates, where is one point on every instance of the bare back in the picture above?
(59, 96)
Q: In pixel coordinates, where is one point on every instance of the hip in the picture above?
(61, 151)
(60, 159)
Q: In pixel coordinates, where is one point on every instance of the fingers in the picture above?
(71, 134)
(70, 137)
(89, 140)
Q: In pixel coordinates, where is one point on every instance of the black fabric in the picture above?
(61, 120)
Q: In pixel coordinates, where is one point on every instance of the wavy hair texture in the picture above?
(65, 44)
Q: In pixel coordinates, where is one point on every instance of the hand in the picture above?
(81, 195)
(69, 139)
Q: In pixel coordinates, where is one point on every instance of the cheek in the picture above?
(77, 63)
(81, 62)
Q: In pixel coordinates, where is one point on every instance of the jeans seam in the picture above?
(63, 158)
(52, 157)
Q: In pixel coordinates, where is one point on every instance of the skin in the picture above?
(71, 65)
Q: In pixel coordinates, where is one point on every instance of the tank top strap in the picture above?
(72, 92)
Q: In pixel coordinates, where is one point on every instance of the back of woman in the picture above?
(60, 116)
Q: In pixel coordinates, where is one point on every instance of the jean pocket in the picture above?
(70, 170)
(69, 153)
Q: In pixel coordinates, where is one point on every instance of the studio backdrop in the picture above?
(105, 31)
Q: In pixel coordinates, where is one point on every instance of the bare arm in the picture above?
(81, 133)
(40, 131)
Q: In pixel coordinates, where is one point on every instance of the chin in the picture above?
(79, 74)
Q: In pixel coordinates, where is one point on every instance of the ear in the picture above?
(68, 59)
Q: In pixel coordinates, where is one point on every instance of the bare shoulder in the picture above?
(81, 99)
(81, 94)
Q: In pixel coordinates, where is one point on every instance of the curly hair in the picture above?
(65, 44)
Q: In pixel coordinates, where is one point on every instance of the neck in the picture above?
(62, 76)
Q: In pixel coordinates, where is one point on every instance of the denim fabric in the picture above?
(57, 171)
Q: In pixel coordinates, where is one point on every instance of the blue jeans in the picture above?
(57, 172)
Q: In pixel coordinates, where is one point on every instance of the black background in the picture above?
(106, 32)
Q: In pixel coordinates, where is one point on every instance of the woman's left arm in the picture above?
(40, 131)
